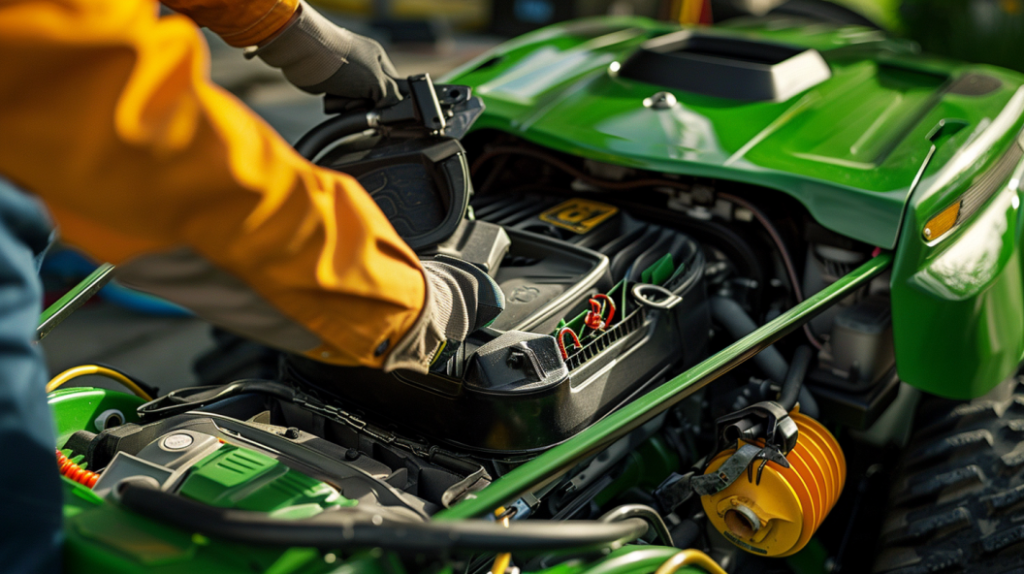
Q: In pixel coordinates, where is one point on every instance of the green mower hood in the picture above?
(841, 118)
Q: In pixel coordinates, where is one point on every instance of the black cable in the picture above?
(686, 533)
(327, 132)
(627, 511)
(808, 404)
(780, 246)
(795, 378)
(351, 528)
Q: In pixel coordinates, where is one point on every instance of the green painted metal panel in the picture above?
(77, 408)
(635, 560)
(849, 149)
(958, 301)
(234, 477)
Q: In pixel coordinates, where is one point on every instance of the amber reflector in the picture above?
(942, 223)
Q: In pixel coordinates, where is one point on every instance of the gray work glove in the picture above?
(319, 57)
(461, 298)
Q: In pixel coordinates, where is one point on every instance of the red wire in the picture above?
(611, 307)
(594, 318)
(68, 468)
(561, 341)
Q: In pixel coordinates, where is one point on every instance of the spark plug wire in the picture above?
(561, 341)
(595, 317)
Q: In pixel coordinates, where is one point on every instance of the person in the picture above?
(108, 116)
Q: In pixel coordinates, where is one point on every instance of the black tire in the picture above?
(957, 503)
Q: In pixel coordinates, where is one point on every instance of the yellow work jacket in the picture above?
(108, 114)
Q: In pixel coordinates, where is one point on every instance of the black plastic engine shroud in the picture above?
(504, 407)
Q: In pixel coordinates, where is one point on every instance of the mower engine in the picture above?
(605, 298)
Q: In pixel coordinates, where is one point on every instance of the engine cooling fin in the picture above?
(775, 511)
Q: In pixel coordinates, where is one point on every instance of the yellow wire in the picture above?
(690, 558)
(501, 561)
(83, 370)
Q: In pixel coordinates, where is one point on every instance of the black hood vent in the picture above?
(726, 67)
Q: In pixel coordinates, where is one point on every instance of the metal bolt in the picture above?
(660, 101)
(928, 232)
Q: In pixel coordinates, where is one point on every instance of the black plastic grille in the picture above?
(632, 322)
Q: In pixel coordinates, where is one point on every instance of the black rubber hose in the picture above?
(326, 133)
(795, 378)
(686, 533)
(808, 404)
(738, 323)
(627, 511)
(353, 528)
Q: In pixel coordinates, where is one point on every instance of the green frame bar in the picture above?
(553, 463)
(73, 299)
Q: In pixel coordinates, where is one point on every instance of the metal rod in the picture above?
(551, 464)
(73, 299)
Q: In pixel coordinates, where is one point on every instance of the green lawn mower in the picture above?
(764, 311)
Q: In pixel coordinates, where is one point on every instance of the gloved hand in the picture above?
(319, 57)
(461, 298)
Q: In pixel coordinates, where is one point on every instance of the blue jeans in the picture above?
(30, 491)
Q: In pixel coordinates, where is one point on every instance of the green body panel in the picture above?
(848, 149)
(240, 478)
(958, 304)
(102, 537)
(626, 560)
(76, 409)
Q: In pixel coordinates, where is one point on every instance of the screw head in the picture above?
(660, 101)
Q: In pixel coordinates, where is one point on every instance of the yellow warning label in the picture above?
(579, 215)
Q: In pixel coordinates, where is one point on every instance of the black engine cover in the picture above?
(509, 390)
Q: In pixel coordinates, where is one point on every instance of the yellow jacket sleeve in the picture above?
(239, 22)
(108, 115)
